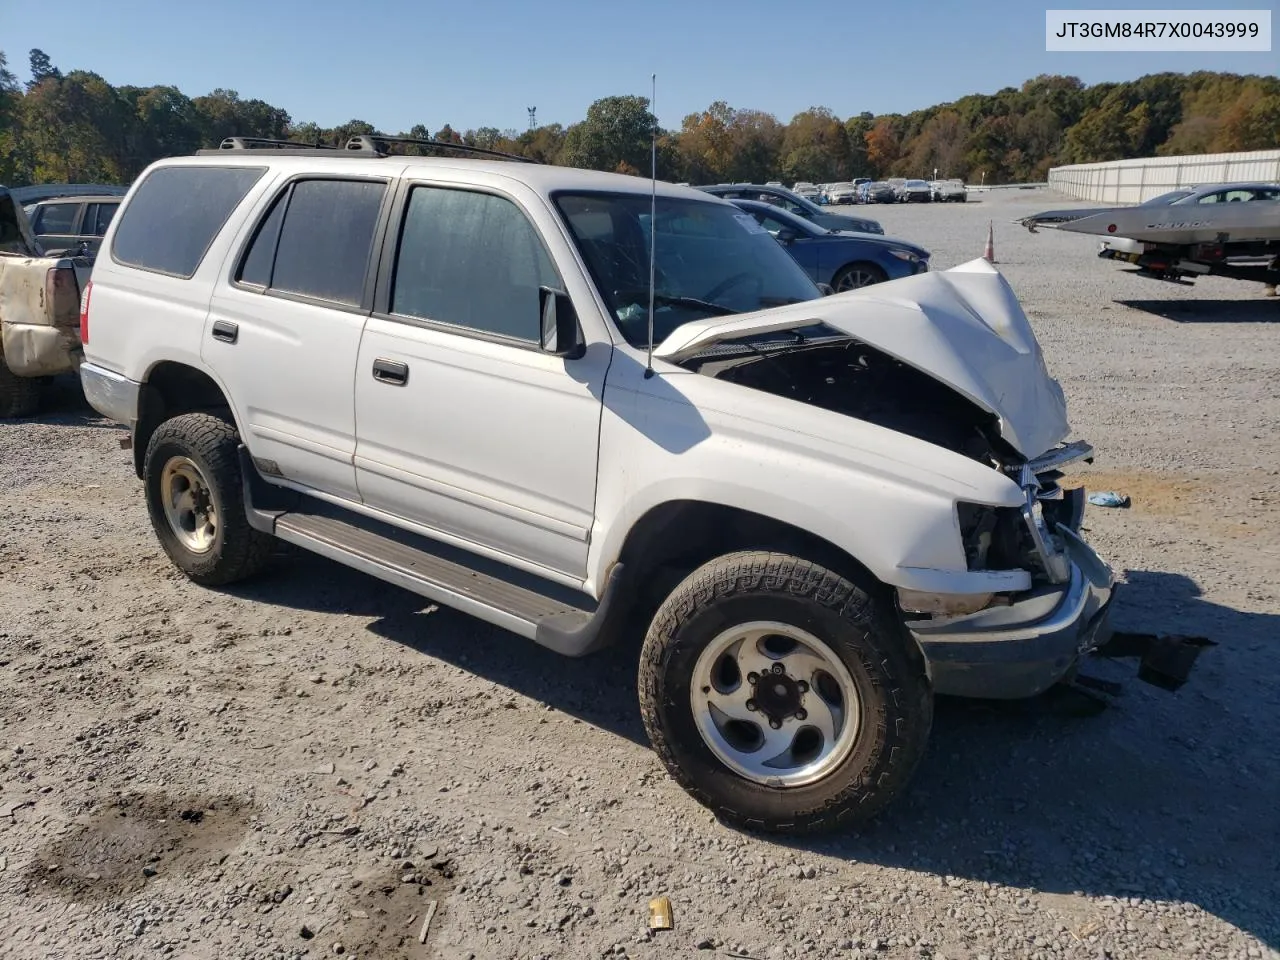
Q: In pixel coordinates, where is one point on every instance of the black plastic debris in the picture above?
(1165, 660)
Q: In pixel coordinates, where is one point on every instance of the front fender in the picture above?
(886, 499)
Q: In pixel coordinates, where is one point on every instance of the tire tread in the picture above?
(903, 727)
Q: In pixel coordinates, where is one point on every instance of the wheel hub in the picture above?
(774, 703)
(777, 695)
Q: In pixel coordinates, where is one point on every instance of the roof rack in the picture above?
(373, 142)
(252, 143)
(267, 145)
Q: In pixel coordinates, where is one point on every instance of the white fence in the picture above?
(1132, 181)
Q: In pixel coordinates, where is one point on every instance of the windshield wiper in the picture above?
(641, 298)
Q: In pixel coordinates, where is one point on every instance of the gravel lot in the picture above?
(298, 767)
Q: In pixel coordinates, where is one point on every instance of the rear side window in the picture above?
(326, 239)
(97, 217)
(175, 213)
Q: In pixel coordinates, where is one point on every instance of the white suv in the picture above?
(818, 511)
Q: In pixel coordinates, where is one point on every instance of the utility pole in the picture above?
(533, 118)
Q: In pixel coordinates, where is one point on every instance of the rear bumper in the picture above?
(112, 395)
(1020, 650)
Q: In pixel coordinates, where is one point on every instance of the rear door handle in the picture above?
(390, 371)
(226, 331)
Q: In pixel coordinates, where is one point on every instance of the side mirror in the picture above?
(787, 235)
(561, 335)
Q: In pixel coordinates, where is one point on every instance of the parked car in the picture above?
(879, 191)
(39, 313)
(841, 193)
(72, 224)
(795, 204)
(897, 183)
(948, 191)
(843, 261)
(822, 512)
(915, 191)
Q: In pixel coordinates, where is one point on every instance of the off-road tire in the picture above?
(19, 396)
(238, 551)
(896, 700)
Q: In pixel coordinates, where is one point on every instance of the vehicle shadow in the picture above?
(1151, 798)
(63, 404)
(1263, 310)
(1157, 797)
(305, 581)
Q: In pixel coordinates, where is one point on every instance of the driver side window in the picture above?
(471, 260)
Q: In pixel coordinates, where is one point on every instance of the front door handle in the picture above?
(391, 371)
(226, 331)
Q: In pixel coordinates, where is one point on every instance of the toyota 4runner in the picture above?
(468, 378)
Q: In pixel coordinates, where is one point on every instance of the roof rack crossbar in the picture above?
(371, 142)
(251, 143)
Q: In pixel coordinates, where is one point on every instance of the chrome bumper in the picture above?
(1022, 649)
(112, 395)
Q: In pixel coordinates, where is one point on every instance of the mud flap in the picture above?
(1164, 661)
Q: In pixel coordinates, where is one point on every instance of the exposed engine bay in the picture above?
(838, 373)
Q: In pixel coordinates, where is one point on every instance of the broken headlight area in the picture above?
(1028, 537)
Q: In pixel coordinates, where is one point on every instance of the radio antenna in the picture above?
(653, 214)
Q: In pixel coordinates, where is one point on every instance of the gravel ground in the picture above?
(301, 766)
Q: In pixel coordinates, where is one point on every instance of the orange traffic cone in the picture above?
(989, 254)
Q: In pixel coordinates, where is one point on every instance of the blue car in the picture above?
(843, 260)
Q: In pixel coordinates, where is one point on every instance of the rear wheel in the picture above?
(19, 396)
(857, 275)
(195, 498)
(781, 696)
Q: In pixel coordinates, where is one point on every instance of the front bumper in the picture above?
(1023, 648)
(112, 395)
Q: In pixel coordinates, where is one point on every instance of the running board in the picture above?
(487, 590)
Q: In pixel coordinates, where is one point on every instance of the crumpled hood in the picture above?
(15, 232)
(964, 327)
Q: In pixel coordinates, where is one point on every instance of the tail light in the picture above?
(84, 313)
(60, 296)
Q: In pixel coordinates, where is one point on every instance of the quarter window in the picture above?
(472, 260)
(175, 213)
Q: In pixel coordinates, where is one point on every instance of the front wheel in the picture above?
(857, 275)
(781, 695)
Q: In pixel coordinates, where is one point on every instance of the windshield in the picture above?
(711, 259)
(917, 184)
(1166, 198)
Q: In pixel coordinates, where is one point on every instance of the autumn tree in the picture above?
(815, 147)
(884, 146)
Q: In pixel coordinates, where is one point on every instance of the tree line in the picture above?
(78, 128)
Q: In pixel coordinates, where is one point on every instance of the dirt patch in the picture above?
(385, 912)
(1150, 493)
(118, 849)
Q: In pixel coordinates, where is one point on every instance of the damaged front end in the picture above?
(1019, 645)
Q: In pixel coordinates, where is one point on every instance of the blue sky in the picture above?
(395, 63)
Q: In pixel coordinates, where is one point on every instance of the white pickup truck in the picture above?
(818, 511)
(39, 313)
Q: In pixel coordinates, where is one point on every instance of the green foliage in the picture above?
(616, 135)
(78, 127)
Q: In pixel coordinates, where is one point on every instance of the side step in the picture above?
(547, 613)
